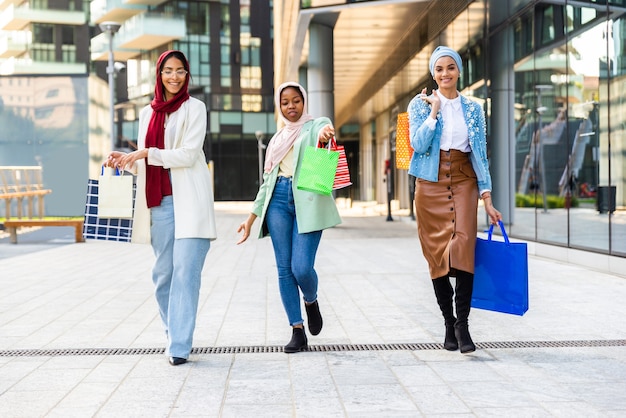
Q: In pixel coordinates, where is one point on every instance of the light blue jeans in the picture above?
(176, 275)
(294, 252)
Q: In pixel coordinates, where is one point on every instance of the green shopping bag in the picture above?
(318, 169)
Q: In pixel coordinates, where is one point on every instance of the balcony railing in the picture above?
(6, 3)
(16, 18)
(142, 32)
(100, 49)
(14, 66)
(146, 2)
(114, 10)
(14, 43)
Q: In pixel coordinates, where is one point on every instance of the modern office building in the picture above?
(550, 75)
(49, 47)
(229, 47)
(44, 69)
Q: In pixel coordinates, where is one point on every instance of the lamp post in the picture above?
(111, 28)
(260, 136)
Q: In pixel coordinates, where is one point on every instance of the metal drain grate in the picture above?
(316, 348)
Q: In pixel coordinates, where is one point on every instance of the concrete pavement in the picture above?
(80, 335)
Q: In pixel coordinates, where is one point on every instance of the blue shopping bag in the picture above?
(501, 275)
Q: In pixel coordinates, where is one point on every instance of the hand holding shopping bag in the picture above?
(501, 275)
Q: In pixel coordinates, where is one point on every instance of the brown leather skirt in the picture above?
(446, 213)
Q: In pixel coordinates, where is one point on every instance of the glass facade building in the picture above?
(44, 67)
(568, 143)
(230, 56)
(550, 76)
(569, 125)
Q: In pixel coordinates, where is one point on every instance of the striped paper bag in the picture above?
(342, 176)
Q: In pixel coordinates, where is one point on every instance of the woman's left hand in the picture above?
(492, 212)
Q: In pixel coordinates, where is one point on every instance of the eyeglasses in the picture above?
(169, 73)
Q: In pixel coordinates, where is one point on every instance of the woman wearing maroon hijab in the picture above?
(174, 203)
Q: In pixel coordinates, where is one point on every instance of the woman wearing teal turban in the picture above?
(447, 132)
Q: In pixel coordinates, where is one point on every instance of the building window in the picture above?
(251, 102)
(225, 76)
(39, 4)
(250, 51)
(67, 35)
(250, 77)
(197, 20)
(523, 38)
(225, 47)
(43, 33)
(196, 15)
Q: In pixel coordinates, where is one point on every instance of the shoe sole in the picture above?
(315, 332)
(289, 351)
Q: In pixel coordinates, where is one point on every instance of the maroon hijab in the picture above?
(158, 182)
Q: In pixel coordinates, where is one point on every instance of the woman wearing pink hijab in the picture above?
(174, 202)
(294, 218)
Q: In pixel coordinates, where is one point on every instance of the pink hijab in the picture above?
(283, 140)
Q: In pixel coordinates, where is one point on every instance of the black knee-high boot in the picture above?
(444, 293)
(463, 300)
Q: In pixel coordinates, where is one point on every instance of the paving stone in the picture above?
(374, 292)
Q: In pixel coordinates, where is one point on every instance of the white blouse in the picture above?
(454, 133)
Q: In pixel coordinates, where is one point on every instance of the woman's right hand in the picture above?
(114, 159)
(434, 101)
(246, 226)
(125, 161)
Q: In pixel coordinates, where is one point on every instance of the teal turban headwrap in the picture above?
(444, 51)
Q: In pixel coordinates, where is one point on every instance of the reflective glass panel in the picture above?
(588, 101)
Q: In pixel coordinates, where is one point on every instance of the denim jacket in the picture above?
(426, 141)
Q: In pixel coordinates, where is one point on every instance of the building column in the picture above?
(320, 71)
(502, 141)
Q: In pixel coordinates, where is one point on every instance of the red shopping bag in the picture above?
(342, 176)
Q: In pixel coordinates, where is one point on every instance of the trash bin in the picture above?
(605, 199)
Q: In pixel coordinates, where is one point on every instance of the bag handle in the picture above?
(504, 234)
(330, 145)
(117, 171)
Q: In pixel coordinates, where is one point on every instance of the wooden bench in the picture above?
(19, 183)
(12, 224)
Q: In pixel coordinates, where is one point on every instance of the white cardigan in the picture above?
(192, 186)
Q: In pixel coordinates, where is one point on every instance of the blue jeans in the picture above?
(176, 275)
(294, 252)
